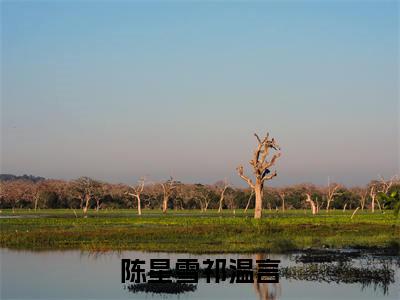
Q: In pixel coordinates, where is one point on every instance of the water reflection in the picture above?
(266, 291)
(97, 275)
(336, 267)
(161, 288)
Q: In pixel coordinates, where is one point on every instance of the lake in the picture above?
(82, 275)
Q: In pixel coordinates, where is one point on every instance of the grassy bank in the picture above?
(193, 231)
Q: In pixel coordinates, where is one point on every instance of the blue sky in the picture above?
(117, 90)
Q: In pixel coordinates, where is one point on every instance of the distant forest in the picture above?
(34, 192)
(6, 177)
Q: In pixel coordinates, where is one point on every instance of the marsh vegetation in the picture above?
(197, 232)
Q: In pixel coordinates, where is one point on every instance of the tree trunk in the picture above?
(354, 212)
(139, 206)
(313, 209)
(85, 209)
(373, 203)
(313, 206)
(248, 202)
(165, 204)
(379, 204)
(258, 191)
(327, 205)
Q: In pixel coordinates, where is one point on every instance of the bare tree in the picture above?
(230, 200)
(363, 194)
(386, 185)
(168, 187)
(261, 171)
(102, 190)
(204, 195)
(331, 192)
(313, 206)
(222, 188)
(84, 188)
(376, 187)
(137, 191)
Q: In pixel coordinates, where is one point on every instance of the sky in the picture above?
(116, 90)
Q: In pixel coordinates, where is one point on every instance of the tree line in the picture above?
(86, 193)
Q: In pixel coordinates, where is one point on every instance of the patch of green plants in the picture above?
(196, 232)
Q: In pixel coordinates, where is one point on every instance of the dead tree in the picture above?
(261, 171)
(373, 193)
(386, 185)
(223, 188)
(168, 187)
(379, 187)
(363, 194)
(204, 196)
(137, 191)
(331, 192)
(85, 188)
(313, 206)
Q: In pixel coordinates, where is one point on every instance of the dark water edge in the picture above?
(309, 274)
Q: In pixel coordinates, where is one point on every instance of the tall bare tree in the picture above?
(261, 171)
(137, 191)
(168, 187)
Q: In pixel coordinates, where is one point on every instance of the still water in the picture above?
(83, 275)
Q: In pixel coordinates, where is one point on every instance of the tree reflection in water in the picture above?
(338, 268)
(343, 267)
(266, 291)
(162, 288)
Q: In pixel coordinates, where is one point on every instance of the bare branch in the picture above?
(269, 164)
(244, 177)
(269, 177)
(258, 138)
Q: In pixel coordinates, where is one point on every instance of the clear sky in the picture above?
(117, 90)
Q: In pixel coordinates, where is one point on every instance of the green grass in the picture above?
(196, 232)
